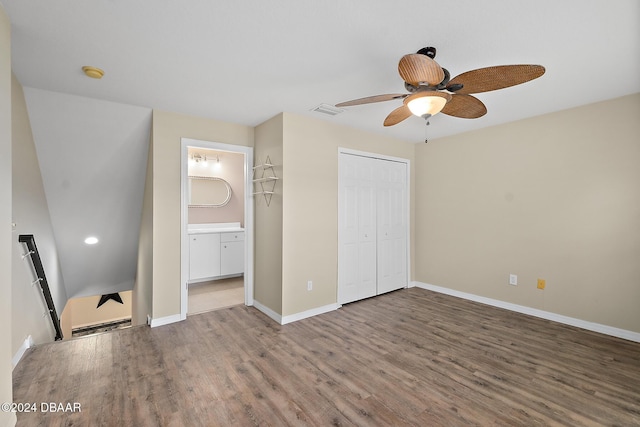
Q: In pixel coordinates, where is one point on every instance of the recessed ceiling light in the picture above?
(91, 240)
(93, 72)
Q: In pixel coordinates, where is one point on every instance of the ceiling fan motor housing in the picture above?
(428, 51)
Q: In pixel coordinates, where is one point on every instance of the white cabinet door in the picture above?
(231, 253)
(204, 255)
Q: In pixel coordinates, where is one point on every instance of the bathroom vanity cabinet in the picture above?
(215, 251)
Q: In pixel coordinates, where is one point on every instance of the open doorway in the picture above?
(95, 314)
(217, 226)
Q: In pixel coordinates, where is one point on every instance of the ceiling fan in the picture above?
(431, 89)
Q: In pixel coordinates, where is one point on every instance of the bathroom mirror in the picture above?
(208, 192)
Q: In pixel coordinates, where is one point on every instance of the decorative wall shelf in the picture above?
(264, 180)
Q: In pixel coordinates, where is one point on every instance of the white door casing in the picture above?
(248, 217)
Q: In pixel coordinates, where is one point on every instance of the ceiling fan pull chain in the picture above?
(426, 139)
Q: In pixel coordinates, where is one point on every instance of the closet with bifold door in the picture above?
(372, 225)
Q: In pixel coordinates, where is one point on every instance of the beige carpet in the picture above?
(208, 296)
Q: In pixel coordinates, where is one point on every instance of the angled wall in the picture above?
(142, 295)
(92, 156)
(31, 216)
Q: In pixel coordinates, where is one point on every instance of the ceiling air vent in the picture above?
(328, 109)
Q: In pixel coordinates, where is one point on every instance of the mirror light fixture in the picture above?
(427, 103)
(198, 158)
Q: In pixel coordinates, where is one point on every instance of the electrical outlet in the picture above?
(542, 283)
(309, 285)
(513, 279)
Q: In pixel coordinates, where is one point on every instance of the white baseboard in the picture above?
(283, 320)
(161, 321)
(590, 326)
(309, 313)
(28, 343)
(266, 310)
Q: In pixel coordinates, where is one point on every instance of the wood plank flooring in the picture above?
(215, 295)
(410, 357)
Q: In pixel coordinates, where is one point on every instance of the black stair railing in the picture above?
(30, 241)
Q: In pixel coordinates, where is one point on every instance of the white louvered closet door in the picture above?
(372, 227)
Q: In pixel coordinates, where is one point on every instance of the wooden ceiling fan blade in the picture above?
(372, 99)
(396, 116)
(494, 78)
(416, 68)
(465, 107)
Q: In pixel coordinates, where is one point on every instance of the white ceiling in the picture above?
(246, 61)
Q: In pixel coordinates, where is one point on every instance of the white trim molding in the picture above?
(27, 344)
(266, 310)
(571, 321)
(283, 320)
(161, 321)
(247, 151)
(309, 313)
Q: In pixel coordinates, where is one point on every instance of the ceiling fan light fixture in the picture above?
(427, 104)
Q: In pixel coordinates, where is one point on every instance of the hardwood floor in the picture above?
(411, 357)
(215, 295)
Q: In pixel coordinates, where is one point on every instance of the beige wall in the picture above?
(520, 198)
(310, 204)
(30, 212)
(268, 219)
(85, 311)
(6, 238)
(296, 236)
(553, 197)
(231, 169)
(142, 295)
(168, 129)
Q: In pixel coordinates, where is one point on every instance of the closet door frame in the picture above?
(346, 151)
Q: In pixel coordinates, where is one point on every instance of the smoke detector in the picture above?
(93, 72)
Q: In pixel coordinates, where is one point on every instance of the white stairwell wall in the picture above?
(30, 213)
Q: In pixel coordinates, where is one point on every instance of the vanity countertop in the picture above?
(218, 227)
